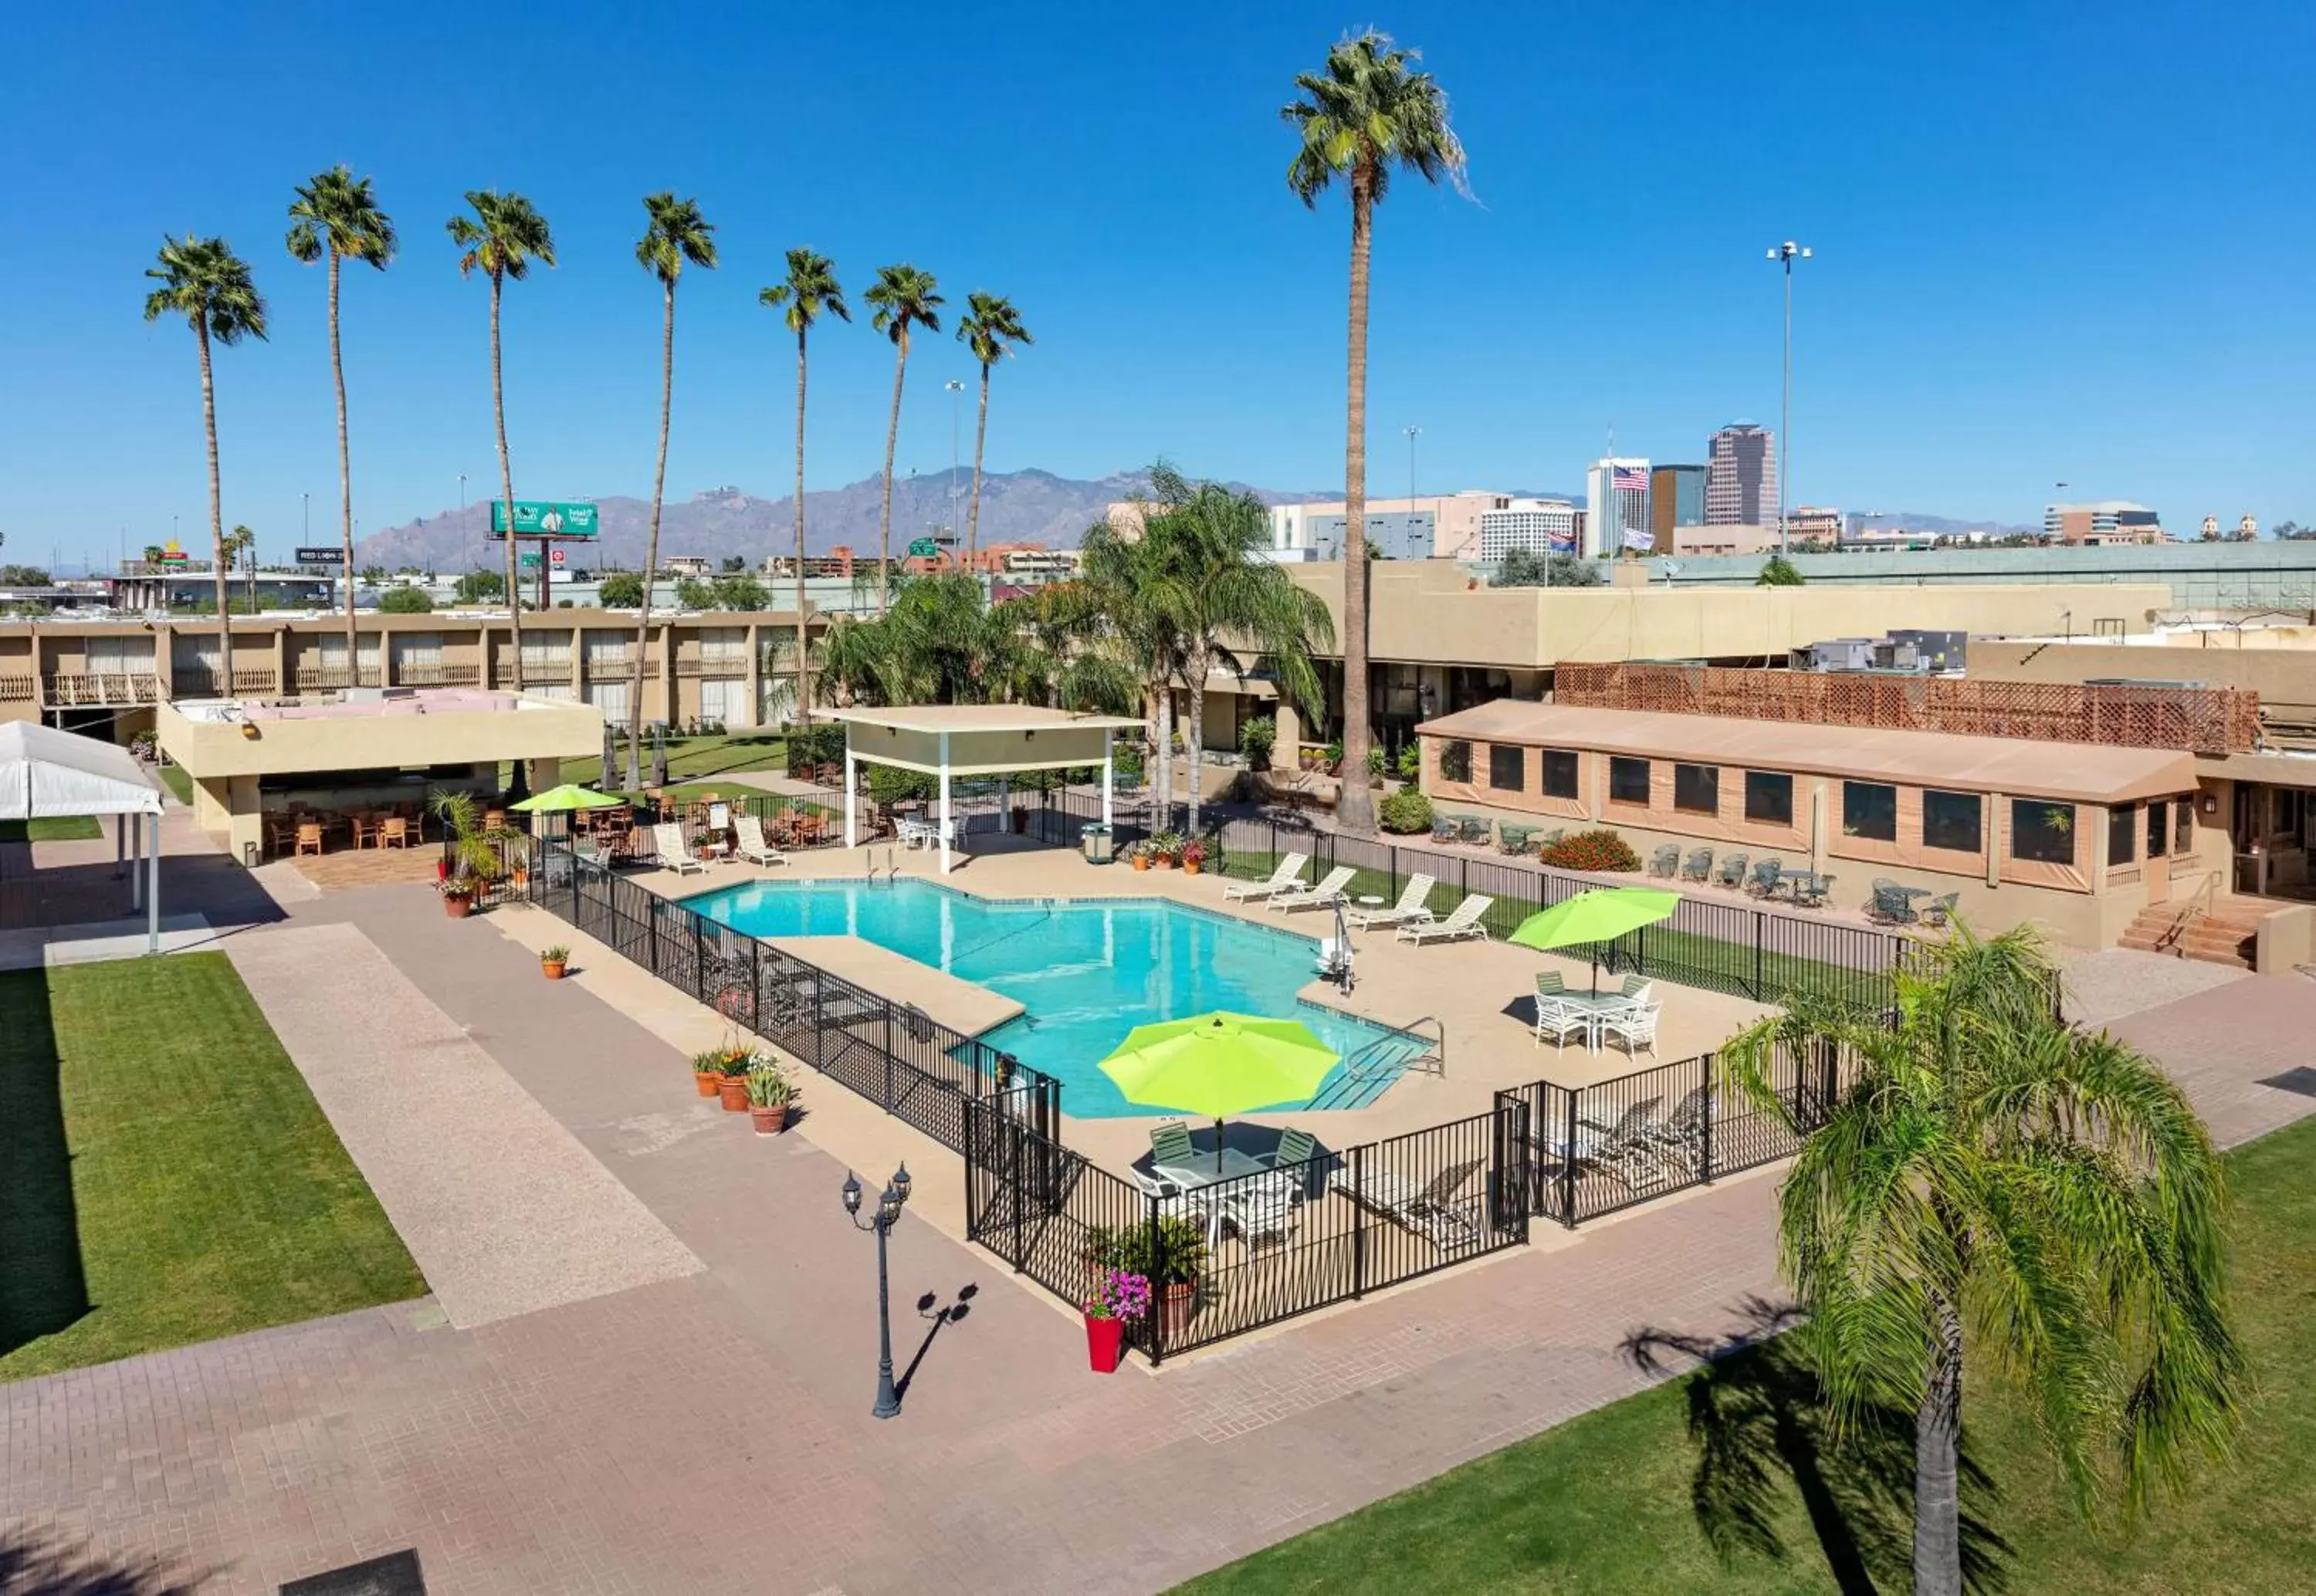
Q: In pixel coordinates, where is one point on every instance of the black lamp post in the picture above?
(895, 1198)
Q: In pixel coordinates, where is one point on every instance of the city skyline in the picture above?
(2160, 376)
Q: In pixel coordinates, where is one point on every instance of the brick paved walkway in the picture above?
(711, 1432)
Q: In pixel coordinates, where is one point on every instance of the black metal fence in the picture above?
(1598, 1148)
(1238, 1253)
(897, 1057)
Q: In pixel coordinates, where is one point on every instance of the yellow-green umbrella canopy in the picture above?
(1601, 914)
(566, 797)
(1217, 1065)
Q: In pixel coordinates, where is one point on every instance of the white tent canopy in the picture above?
(46, 773)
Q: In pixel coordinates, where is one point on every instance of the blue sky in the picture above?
(2053, 242)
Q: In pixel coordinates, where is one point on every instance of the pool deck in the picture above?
(1478, 992)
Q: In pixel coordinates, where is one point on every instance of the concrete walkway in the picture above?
(502, 1209)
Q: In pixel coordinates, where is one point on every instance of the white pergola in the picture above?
(45, 772)
(970, 740)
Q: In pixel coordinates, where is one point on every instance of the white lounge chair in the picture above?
(753, 846)
(667, 841)
(1281, 879)
(1427, 1210)
(1464, 921)
(1319, 896)
(1263, 1209)
(1410, 906)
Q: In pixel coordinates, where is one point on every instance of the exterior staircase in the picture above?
(2226, 933)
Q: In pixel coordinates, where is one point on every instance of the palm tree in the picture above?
(1361, 115)
(990, 329)
(204, 281)
(1137, 583)
(241, 549)
(501, 240)
(1235, 605)
(2052, 1185)
(904, 296)
(810, 288)
(675, 233)
(335, 214)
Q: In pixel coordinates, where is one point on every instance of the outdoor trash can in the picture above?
(1098, 843)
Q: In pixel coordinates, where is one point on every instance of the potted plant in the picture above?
(707, 1072)
(732, 1087)
(458, 895)
(1256, 740)
(552, 960)
(1116, 1298)
(1171, 1267)
(1138, 855)
(1334, 758)
(769, 1095)
(1166, 848)
(1194, 856)
(472, 857)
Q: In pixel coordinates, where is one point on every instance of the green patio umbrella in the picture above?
(565, 798)
(1220, 1064)
(1601, 914)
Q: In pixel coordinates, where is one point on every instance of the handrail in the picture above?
(2208, 894)
(1435, 1046)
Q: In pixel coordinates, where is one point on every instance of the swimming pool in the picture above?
(1085, 972)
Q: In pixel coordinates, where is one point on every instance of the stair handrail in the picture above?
(2205, 893)
(1435, 1046)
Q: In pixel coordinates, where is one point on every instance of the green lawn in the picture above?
(52, 828)
(175, 779)
(164, 1175)
(1621, 1499)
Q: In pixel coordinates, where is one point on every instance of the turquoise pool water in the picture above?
(1085, 973)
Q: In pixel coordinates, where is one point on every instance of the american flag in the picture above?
(1629, 479)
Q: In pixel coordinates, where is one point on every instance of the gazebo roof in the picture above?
(981, 717)
(46, 772)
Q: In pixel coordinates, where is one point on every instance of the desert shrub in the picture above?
(1600, 849)
(1404, 810)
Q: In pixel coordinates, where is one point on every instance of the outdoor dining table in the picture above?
(1596, 1007)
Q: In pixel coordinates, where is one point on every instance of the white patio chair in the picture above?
(667, 841)
(1262, 1210)
(1635, 1027)
(1321, 896)
(1410, 906)
(913, 833)
(1462, 922)
(1557, 1018)
(1281, 879)
(753, 848)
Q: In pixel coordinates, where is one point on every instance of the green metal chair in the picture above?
(1475, 830)
(1295, 1146)
(1699, 866)
(1169, 1145)
(1665, 861)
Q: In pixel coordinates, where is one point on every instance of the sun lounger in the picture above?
(1464, 922)
(753, 846)
(1281, 879)
(667, 840)
(1412, 906)
(1319, 896)
(1427, 1209)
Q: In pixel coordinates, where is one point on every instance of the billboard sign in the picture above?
(321, 556)
(924, 548)
(544, 518)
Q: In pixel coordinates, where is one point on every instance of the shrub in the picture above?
(1410, 762)
(1405, 810)
(1256, 739)
(405, 601)
(1592, 850)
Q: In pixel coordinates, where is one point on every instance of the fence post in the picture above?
(699, 961)
(1704, 1140)
(972, 1187)
(1756, 993)
(887, 1051)
(1358, 1220)
(1157, 1287)
(651, 923)
(1568, 1164)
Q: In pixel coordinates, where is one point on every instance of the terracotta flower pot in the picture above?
(1105, 1343)
(708, 1081)
(457, 905)
(770, 1122)
(734, 1090)
(1174, 1308)
(552, 969)
(1192, 867)
(1142, 861)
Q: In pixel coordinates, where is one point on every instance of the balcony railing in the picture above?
(538, 672)
(603, 667)
(732, 665)
(101, 688)
(410, 675)
(322, 678)
(18, 689)
(202, 681)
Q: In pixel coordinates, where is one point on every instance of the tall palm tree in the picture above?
(2051, 1185)
(989, 328)
(204, 281)
(501, 240)
(337, 215)
(810, 288)
(1137, 584)
(675, 233)
(1361, 115)
(904, 297)
(241, 548)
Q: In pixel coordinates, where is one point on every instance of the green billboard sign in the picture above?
(544, 518)
(924, 548)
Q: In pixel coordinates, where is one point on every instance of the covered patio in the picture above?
(46, 774)
(946, 740)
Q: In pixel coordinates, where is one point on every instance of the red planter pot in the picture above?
(1105, 1344)
(734, 1090)
(457, 906)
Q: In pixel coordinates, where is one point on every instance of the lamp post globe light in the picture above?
(887, 1212)
(1787, 253)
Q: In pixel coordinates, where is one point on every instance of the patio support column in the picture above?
(945, 822)
(153, 891)
(120, 844)
(851, 829)
(1108, 783)
(136, 862)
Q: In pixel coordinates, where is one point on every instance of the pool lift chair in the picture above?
(1335, 951)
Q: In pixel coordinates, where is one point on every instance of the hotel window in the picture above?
(1507, 767)
(2159, 827)
(725, 645)
(1869, 809)
(2042, 831)
(1951, 820)
(2119, 821)
(1559, 773)
(1697, 789)
(1456, 761)
(1628, 781)
(2183, 837)
(1769, 798)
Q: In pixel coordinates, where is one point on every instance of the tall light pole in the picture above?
(956, 391)
(886, 1214)
(1413, 434)
(1787, 253)
(462, 493)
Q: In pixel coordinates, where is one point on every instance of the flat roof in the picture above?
(2079, 772)
(980, 717)
(370, 705)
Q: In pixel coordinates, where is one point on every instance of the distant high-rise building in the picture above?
(1811, 523)
(1676, 499)
(1616, 502)
(1741, 480)
(1543, 526)
(2110, 520)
